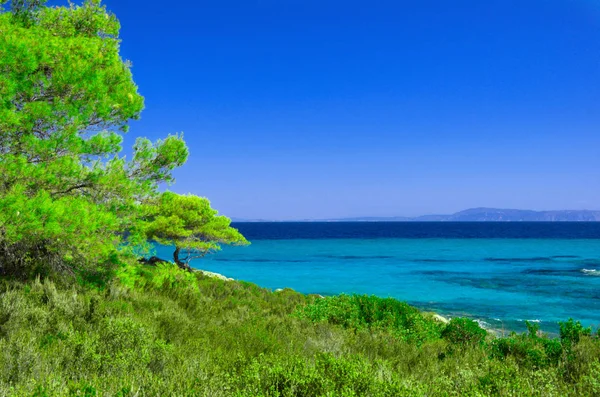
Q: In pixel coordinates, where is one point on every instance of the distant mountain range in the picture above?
(476, 215)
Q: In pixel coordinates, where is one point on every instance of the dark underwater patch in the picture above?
(547, 287)
(355, 257)
(552, 272)
(428, 260)
(590, 262)
(508, 260)
(440, 273)
(260, 260)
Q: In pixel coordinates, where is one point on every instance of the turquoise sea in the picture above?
(499, 274)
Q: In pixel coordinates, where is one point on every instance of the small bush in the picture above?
(532, 350)
(464, 331)
(359, 312)
(571, 332)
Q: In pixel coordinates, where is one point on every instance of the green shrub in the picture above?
(532, 350)
(571, 332)
(358, 312)
(589, 383)
(463, 331)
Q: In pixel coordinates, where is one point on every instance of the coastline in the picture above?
(214, 275)
(442, 318)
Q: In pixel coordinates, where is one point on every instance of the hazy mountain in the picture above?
(510, 215)
(498, 215)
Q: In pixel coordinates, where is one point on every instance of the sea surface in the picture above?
(500, 274)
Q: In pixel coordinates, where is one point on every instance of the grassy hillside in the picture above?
(162, 331)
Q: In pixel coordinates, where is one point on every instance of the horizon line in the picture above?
(365, 218)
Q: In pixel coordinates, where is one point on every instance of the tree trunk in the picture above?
(179, 262)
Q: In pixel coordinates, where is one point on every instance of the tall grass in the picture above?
(164, 332)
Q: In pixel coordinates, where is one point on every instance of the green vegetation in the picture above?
(70, 203)
(80, 316)
(155, 331)
(189, 224)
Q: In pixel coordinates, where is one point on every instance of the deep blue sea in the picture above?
(498, 273)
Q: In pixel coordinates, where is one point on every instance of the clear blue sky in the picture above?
(311, 109)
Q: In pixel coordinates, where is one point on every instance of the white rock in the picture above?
(441, 319)
(215, 275)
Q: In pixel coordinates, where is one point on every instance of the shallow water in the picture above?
(500, 281)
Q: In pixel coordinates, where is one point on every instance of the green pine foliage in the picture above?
(70, 202)
(66, 195)
(190, 224)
